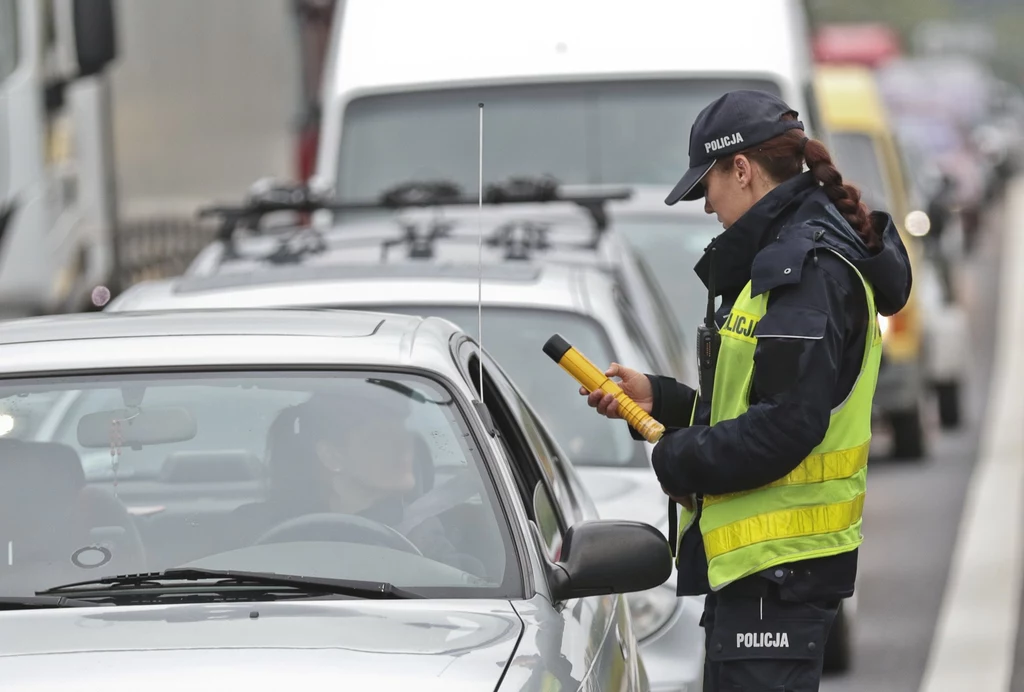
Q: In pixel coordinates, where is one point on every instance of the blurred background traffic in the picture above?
(120, 121)
(202, 99)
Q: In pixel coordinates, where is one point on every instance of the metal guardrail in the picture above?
(159, 247)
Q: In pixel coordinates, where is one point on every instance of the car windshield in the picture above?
(857, 159)
(514, 336)
(634, 132)
(671, 248)
(319, 474)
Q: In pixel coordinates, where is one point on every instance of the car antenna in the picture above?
(480, 256)
(481, 408)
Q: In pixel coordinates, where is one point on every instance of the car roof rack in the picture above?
(268, 197)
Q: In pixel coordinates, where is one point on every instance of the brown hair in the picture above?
(782, 158)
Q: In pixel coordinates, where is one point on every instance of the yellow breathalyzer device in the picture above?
(592, 378)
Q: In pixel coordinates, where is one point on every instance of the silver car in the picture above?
(296, 499)
(524, 304)
(515, 233)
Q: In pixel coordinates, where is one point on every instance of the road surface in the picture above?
(914, 511)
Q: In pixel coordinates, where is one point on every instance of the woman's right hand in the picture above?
(635, 384)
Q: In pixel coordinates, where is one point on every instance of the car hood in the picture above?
(311, 645)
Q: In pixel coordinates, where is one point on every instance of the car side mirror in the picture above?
(95, 35)
(611, 557)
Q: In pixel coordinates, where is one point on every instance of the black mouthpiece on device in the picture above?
(556, 347)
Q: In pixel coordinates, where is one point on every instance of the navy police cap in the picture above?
(732, 123)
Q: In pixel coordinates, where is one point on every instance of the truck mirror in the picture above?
(95, 35)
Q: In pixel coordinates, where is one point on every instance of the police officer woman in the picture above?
(768, 460)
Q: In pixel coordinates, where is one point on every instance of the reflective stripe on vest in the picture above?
(816, 509)
(817, 468)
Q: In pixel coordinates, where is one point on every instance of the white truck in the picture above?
(56, 168)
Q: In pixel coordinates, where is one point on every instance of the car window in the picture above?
(535, 474)
(568, 499)
(547, 522)
(534, 441)
(858, 159)
(674, 334)
(590, 132)
(514, 337)
(324, 474)
(671, 249)
(8, 37)
(540, 447)
(637, 336)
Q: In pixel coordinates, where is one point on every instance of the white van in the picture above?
(588, 92)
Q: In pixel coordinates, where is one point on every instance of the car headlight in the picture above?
(917, 223)
(651, 610)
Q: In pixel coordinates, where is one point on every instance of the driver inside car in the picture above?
(332, 455)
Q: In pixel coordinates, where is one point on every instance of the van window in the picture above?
(623, 132)
(8, 38)
(859, 163)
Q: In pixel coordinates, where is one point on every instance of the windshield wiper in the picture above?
(32, 602)
(149, 581)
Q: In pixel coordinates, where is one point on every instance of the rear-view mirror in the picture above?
(611, 556)
(136, 428)
(95, 35)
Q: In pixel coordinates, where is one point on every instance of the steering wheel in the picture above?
(337, 527)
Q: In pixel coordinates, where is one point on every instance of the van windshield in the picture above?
(632, 132)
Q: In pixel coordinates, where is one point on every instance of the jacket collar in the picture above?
(735, 248)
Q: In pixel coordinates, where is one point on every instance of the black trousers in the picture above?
(757, 642)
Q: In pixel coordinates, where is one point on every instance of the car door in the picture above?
(595, 633)
(619, 647)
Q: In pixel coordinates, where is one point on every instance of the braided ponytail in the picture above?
(783, 157)
(846, 197)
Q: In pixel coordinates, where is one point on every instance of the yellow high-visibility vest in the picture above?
(815, 510)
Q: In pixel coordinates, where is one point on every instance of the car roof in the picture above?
(382, 239)
(468, 40)
(555, 286)
(849, 99)
(195, 337)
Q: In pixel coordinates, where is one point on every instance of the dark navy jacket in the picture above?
(784, 244)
